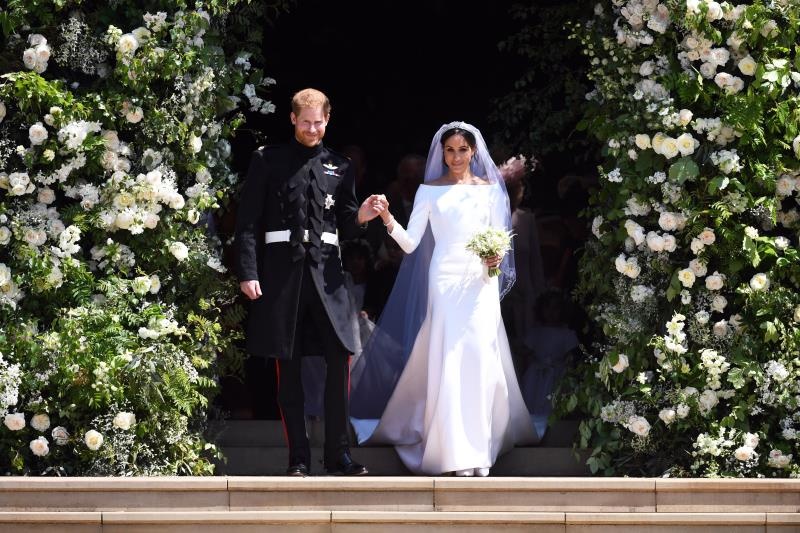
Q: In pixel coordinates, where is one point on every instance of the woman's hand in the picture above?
(493, 261)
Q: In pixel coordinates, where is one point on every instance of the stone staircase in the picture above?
(397, 504)
(257, 447)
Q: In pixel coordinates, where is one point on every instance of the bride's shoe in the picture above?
(469, 472)
(481, 472)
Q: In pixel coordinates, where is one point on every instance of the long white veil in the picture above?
(376, 372)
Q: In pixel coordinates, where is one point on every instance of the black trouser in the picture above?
(313, 321)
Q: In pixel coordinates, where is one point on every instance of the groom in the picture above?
(298, 200)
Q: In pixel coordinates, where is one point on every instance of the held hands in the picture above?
(372, 207)
(251, 289)
(493, 262)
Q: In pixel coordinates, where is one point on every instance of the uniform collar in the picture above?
(305, 151)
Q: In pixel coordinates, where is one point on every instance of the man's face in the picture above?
(309, 125)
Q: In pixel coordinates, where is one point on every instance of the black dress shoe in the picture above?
(297, 470)
(344, 465)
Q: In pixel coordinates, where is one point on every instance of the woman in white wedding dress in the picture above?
(456, 404)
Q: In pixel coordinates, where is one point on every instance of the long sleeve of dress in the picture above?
(500, 208)
(409, 239)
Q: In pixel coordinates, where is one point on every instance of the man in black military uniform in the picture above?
(294, 200)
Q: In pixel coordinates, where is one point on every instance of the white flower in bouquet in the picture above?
(747, 65)
(37, 134)
(670, 244)
(751, 440)
(491, 242)
(696, 246)
(796, 146)
(40, 422)
(127, 44)
(141, 285)
(777, 459)
(635, 231)
(46, 195)
(40, 447)
(719, 303)
(668, 221)
(782, 243)
(638, 425)
(640, 293)
(702, 317)
(714, 282)
(124, 420)
(785, 185)
(2, 110)
(686, 277)
(707, 400)
(60, 435)
(698, 267)
(759, 282)
(797, 314)
(5, 274)
(179, 250)
(707, 236)
(155, 284)
(769, 29)
(134, 115)
(19, 184)
(643, 141)
(687, 144)
(669, 147)
(195, 144)
(14, 421)
(777, 371)
(216, 264)
(721, 328)
(5, 235)
(596, 223)
(667, 416)
(744, 453)
(621, 364)
(682, 411)
(93, 439)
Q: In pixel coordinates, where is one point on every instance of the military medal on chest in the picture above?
(330, 169)
(329, 201)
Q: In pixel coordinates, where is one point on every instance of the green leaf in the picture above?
(736, 378)
(683, 169)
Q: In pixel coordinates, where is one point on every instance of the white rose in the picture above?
(707, 236)
(40, 447)
(747, 65)
(46, 195)
(687, 144)
(796, 146)
(785, 185)
(682, 410)
(127, 44)
(707, 400)
(141, 285)
(622, 363)
(655, 241)
(2, 110)
(668, 221)
(702, 317)
(669, 147)
(5, 236)
(686, 277)
(751, 440)
(646, 68)
(643, 141)
(670, 244)
(60, 435)
(5, 274)
(155, 284)
(29, 58)
(714, 11)
(743, 453)
(657, 142)
(124, 421)
(195, 143)
(684, 117)
(193, 216)
(93, 439)
(177, 201)
(14, 421)
(696, 245)
(708, 70)
(639, 425)
(37, 134)
(714, 282)
(179, 250)
(759, 282)
(770, 29)
(40, 422)
(719, 303)
(721, 328)
(134, 115)
(698, 267)
(667, 416)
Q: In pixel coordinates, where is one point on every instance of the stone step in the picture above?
(395, 522)
(383, 461)
(258, 433)
(402, 494)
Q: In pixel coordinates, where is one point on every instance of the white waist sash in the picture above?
(284, 235)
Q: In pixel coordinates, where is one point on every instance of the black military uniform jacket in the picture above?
(294, 187)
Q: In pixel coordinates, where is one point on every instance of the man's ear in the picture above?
(293, 118)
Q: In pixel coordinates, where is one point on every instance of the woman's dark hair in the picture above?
(468, 136)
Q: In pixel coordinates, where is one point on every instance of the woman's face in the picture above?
(457, 154)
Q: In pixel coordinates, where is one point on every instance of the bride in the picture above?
(436, 378)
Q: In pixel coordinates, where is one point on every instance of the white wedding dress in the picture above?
(457, 404)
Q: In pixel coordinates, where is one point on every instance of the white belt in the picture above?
(284, 235)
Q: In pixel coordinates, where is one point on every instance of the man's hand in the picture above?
(251, 288)
(372, 207)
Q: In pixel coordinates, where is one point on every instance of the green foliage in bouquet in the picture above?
(692, 278)
(116, 311)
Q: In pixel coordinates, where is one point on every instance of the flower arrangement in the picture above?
(492, 242)
(692, 278)
(116, 312)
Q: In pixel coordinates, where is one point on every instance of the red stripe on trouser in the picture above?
(280, 410)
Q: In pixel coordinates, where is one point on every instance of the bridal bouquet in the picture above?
(490, 243)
